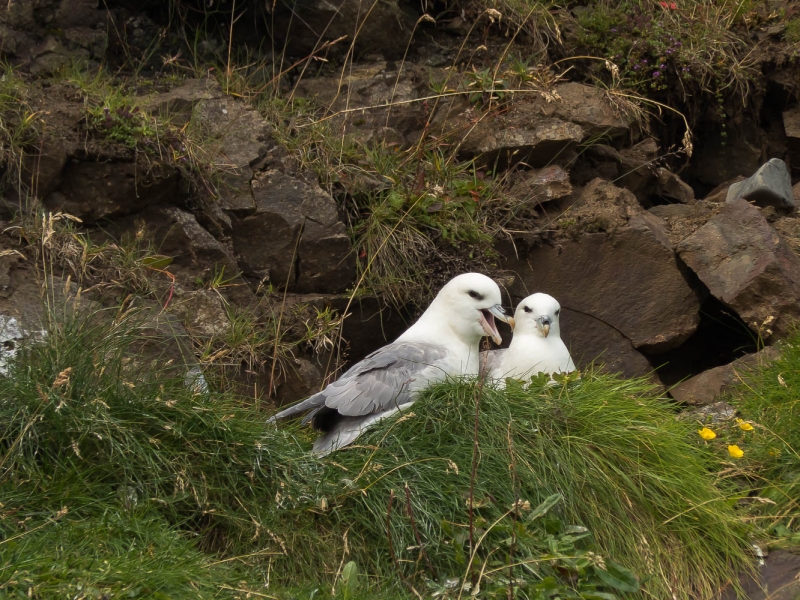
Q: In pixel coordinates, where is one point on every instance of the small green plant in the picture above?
(350, 582)
(792, 32)
(485, 85)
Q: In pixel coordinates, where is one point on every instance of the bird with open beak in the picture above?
(444, 342)
(537, 346)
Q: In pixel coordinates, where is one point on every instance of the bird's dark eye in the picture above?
(526, 309)
(474, 294)
(558, 311)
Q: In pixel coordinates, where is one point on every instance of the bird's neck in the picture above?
(428, 328)
(433, 330)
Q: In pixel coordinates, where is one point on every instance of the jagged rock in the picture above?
(267, 239)
(791, 124)
(669, 185)
(11, 336)
(301, 28)
(592, 340)
(92, 190)
(177, 234)
(716, 160)
(597, 161)
(47, 35)
(679, 211)
(589, 107)
(238, 138)
(682, 220)
(747, 265)
(179, 103)
(717, 412)
(779, 573)
(541, 185)
(720, 193)
(536, 130)
(371, 87)
(628, 280)
(298, 379)
(164, 343)
(599, 207)
(202, 312)
(42, 168)
(637, 169)
(704, 388)
(771, 185)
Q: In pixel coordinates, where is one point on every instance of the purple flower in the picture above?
(613, 30)
(644, 61)
(656, 74)
(635, 67)
(662, 66)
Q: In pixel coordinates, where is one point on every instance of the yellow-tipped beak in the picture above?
(488, 323)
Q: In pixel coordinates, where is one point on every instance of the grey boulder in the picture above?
(771, 185)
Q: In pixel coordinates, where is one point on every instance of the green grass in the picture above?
(20, 129)
(125, 553)
(769, 399)
(610, 448)
(174, 481)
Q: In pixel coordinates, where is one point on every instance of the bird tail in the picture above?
(347, 429)
(342, 434)
(314, 402)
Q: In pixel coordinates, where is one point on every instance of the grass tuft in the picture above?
(92, 436)
(767, 400)
(611, 449)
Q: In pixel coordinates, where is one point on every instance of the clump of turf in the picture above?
(610, 449)
(476, 491)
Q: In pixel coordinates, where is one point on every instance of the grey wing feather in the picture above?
(382, 380)
(377, 383)
(314, 402)
(489, 360)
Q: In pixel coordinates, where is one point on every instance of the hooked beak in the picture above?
(488, 324)
(544, 324)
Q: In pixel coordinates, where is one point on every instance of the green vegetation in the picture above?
(661, 47)
(768, 402)
(93, 437)
(19, 131)
(693, 40)
(792, 33)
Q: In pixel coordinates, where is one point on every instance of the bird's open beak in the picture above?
(488, 324)
(544, 323)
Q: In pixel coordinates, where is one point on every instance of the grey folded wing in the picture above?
(489, 360)
(382, 381)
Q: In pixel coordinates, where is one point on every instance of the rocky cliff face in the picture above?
(316, 148)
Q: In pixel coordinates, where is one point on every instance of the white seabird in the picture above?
(536, 347)
(444, 341)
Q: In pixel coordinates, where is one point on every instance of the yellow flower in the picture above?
(706, 433)
(744, 425)
(735, 451)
